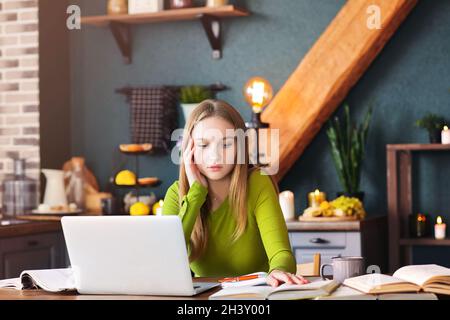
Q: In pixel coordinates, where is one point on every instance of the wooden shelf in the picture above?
(209, 17)
(424, 242)
(419, 147)
(165, 15)
(400, 201)
(139, 185)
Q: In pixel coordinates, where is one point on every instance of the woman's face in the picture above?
(215, 147)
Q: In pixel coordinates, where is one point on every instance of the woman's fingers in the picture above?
(296, 279)
(281, 276)
(299, 279)
(277, 276)
(272, 281)
(188, 154)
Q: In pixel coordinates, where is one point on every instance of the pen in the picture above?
(241, 278)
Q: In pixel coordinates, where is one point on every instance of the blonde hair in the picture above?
(239, 175)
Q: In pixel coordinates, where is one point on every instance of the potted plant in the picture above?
(434, 124)
(191, 96)
(348, 141)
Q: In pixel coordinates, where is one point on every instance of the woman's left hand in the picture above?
(276, 277)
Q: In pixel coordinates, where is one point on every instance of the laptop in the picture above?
(130, 255)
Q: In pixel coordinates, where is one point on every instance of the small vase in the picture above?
(435, 136)
(358, 195)
(187, 109)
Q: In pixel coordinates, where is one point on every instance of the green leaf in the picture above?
(347, 142)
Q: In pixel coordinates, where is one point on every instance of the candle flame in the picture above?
(439, 220)
(317, 192)
(421, 217)
(445, 128)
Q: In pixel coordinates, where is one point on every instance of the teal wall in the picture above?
(410, 77)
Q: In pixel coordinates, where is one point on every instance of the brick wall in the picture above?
(19, 84)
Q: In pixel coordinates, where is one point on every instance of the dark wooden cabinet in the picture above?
(36, 251)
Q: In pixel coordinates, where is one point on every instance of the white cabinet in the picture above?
(328, 244)
(366, 238)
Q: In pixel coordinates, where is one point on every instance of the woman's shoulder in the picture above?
(259, 179)
(174, 186)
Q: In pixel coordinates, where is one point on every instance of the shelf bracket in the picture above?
(213, 30)
(122, 35)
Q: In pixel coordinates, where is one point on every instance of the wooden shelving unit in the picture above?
(424, 242)
(399, 189)
(209, 17)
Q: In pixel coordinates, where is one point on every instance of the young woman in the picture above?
(231, 216)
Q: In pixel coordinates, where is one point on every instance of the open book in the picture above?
(52, 280)
(428, 278)
(347, 293)
(285, 291)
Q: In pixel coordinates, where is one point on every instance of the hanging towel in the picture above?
(153, 116)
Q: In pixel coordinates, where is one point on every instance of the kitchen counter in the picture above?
(14, 227)
(296, 225)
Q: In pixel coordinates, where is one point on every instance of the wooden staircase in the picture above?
(328, 72)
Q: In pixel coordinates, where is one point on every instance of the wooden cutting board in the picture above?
(327, 219)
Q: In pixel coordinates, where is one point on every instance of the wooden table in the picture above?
(12, 294)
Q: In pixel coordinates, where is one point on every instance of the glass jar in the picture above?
(20, 193)
(76, 188)
(117, 7)
(179, 4)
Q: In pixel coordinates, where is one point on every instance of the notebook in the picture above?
(315, 288)
(428, 278)
(252, 282)
(52, 280)
(347, 293)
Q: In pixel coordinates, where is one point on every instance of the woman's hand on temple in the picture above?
(192, 172)
(277, 277)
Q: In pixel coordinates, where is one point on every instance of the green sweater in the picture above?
(264, 245)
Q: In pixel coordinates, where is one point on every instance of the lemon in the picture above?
(157, 207)
(126, 178)
(139, 209)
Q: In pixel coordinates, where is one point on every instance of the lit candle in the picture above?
(287, 205)
(439, 229)
(445, 135)
(216, 3)
(316, 198)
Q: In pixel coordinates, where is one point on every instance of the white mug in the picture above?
(345, 267)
